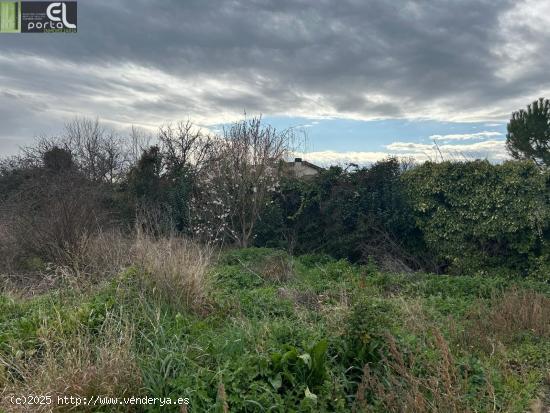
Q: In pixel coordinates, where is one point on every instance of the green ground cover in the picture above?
(281, 334)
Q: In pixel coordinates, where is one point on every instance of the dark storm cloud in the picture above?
(138, 61)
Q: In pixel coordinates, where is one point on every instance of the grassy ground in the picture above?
(281, 334)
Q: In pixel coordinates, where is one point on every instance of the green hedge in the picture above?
(353, 215)
(451, 217)
(479, 217)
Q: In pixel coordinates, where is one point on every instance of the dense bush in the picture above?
(478, 217)
(457, 217)
(155, 185)
(348, 215)
(46, 209)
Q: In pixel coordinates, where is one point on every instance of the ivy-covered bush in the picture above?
(449, 217)
(347, 214)
(478, 217)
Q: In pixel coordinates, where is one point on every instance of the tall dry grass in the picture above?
(407, 381)
(507, 318)
(174, 269)
(100, 255)
(82, 364)
(166, 271)
(170, 267)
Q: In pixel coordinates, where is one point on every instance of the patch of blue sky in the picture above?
(344, 135)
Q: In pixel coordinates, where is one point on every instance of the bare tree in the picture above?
(100, 154)
(185, 146)
(98, 151)
(241, 178)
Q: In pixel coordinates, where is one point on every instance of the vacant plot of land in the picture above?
(263, 331)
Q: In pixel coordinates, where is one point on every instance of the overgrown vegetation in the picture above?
(325, 335)
(483, 218)
(449, 217)
(119, 277)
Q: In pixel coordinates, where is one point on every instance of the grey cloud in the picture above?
(22, 118)
(142, 61)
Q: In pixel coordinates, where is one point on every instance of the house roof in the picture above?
(305, 163)
(309, 164)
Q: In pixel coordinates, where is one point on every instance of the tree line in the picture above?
(233, 189)
(206, 186)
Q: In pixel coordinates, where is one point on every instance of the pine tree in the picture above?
(528, 134)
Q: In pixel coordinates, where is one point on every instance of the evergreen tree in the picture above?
(529, 133)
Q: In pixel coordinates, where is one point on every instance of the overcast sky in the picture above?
(363, 78)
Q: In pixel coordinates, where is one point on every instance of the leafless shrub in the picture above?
(186, 146)
(51, 214)
(139, 140)
(99, 153)
(49, 204)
